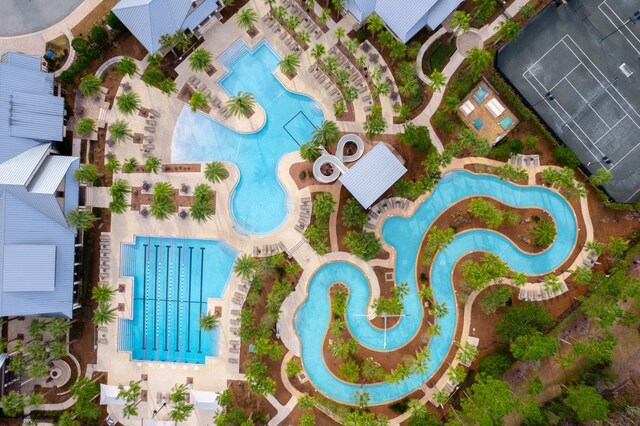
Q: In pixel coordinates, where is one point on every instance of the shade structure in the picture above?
(373, 174)
(203, 400)
(109, 395)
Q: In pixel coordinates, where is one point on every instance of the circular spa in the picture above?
(405, 236)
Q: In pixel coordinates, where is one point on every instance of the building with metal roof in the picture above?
(373, 174)
(37, 190)
(404, 17)
(149, 20)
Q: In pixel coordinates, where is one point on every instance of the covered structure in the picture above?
(204, 400)
(373, 174)
(37, 190)
(394, 13)
(109, 395)
(148, 20)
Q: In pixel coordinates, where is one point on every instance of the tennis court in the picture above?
(577, 66)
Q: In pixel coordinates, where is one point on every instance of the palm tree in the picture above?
(129, 165)
(380, 88)
(168, 86)
(86, 173)
(460, 21)
(330, 64)
(198, 101)
(202, 209)
(119, 188)
(479, 59)
(324, 16)
(154, 59)
(58, 327)
(85, 127)
(508, 30)
(167, 41)
(303, 38)
(375, 24)
(182, 40)
(289, 64)
(318, 51)
(215, 172)
(327, 134)
(242, 104)
(602, 176)
(104, 315)
(113, 165)
(128, 103)
(208, 321)
(179, 393)
(292, 22)
(340, 33)
(67, 419)
(270, 3)
(36, 328)
(438, 80)
(126, 67)
(81, 220)
(118, 205)
(12, 403)
(102, 293)
(352, 47)
(247, 18)
(245, 266)
(310, 151)
(279, 13)
(89, 85)
(152, 165)
(120, 131)
(162, 205)
(200, 60)
(58, 349)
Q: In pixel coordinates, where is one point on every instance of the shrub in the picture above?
(417, 137)
(494, 299)
(80, 45)
(362, 34)
(507, 148)
(442, 121)
(566, 157)
(99, 36)
(523, 320)
(303, 174)
(113, 21)
(496, 364)
(365, 245)
(92, 54)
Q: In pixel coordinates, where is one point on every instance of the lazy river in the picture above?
(405, 236)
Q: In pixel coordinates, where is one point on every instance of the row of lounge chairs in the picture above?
(289, 41)
(305, 215)
(356, 78)
(307, 23)
(268, 250)
(326, 82)
(541, 293)
(105, 256)
(393, 203)
(525, 160)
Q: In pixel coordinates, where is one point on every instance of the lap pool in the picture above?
(405, 236)
(172, 280)
(259, 204)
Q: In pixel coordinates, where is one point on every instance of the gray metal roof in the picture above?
(32, 218)
(148, 20)
(404, 17)
(36, 116)
(21, 60)
(29, 267)
(195, 18)
(373, 174)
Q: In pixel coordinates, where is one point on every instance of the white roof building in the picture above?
(148, 20)
(404, 17)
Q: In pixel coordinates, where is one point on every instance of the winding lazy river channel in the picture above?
(405, 236)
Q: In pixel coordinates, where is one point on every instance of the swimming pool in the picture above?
(172, 280)
(259, 204)
(405, 236)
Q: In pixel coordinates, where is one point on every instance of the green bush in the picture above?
(507, 148)
(99, 36)
(80, 45)
(417, 137)
(92, 53)
(566, 157)
(362, 34)
(442, 121)
(113, 21)
(67, 77)
(495, 365)
(623, 207)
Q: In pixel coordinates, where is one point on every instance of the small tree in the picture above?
(364, 245)
(168, 86)
(534, 346)
(494, 299)
(327, 134)
(200, 60)
(601, 177)
(245, 266)
(208, 321)
(152, 165)
(104, 315)
(80, 219)
(508, 30)
(460, 21)
(289, 64)
(293, 367)
(215, 172)
(587, 403)
(85, 127)
(89, 85)
(128, 103)
(323, 205)
(58, 327)
(543, 232)
(129, 165)
(246, 18)
(241, 104)
(376, 124)
(353, 215)
(120, 131)
(318, 51)
(126, 67)
(12, 403)
(86, 173)
(310, 151)
(102, 293)
(198, 101)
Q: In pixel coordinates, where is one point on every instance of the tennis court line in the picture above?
(621, 22)
(590, 107)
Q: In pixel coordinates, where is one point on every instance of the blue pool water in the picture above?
(405, 235)
(172, 280)
(291, 118)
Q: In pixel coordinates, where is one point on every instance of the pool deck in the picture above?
(213, 375)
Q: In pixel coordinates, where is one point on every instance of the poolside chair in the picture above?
(282, 36)
(237, 301)
(151, 122)
(234, 350)
(192, 79)
(233, 361)
(149, 129)
(234, 322)
(207, 92)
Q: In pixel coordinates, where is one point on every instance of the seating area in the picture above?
(384, 206)
(217, 106)
(483, 111)
(305, 215)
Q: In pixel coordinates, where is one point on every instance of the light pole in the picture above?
(158, 410)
